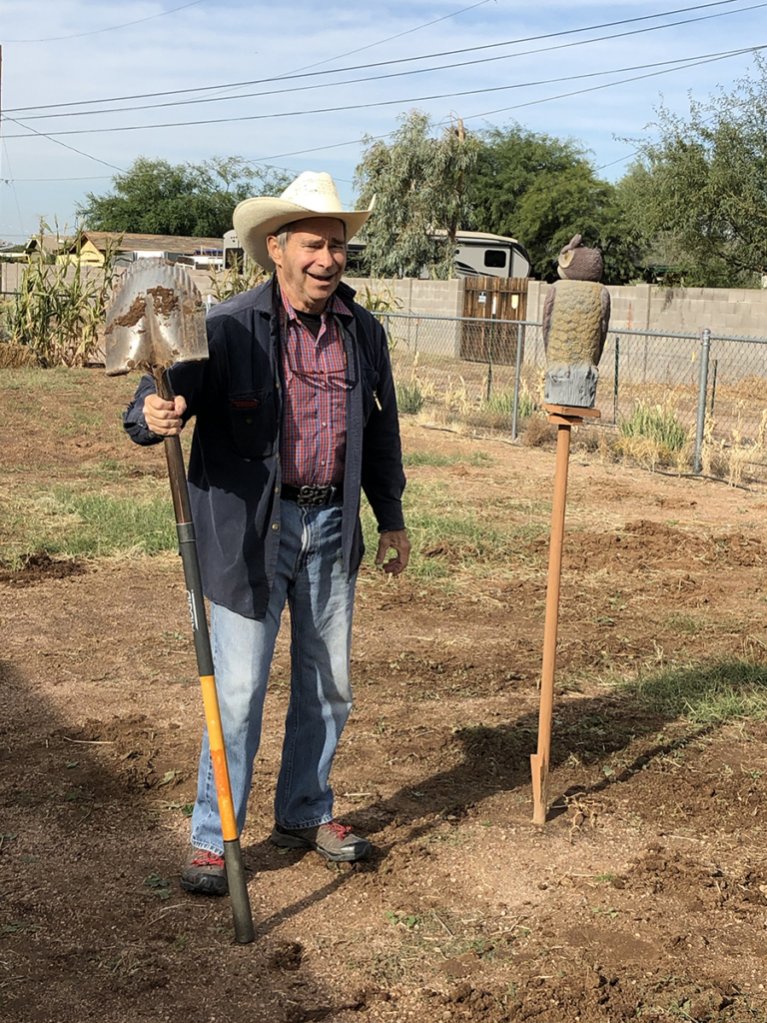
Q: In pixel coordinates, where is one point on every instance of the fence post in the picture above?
(517, 383)
(615, 378)
(705, 348)
(713, 387)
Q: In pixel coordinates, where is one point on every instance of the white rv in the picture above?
(477, 254)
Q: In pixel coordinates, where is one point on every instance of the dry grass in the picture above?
(14, 356)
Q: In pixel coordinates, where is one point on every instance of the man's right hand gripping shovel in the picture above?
(156, 319)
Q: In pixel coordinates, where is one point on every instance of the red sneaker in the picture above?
(204, 873)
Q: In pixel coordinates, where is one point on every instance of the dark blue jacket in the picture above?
(234, 466)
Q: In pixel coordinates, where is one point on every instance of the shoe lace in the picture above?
(203, 858)
(338, 829)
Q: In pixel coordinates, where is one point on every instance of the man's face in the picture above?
(310, 266)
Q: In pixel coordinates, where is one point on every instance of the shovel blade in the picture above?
(156, 318)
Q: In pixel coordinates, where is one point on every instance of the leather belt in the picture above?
(310, 495)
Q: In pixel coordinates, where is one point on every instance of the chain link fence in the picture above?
(489, 374)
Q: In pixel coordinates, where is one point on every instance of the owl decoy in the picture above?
(576, 315)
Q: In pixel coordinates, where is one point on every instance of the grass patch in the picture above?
(416, 458)
(33, 380)
(706, 694)
(103, 524)
(68, 523)
(652, 435)
(446, 535)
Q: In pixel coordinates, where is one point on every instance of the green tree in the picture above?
(157, 197)
(698, 191)
(542, 190)
(419, 181)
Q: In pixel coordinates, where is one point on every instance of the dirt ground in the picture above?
(643, 897)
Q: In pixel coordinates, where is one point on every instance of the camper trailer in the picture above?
(477, 254)
(489, 255)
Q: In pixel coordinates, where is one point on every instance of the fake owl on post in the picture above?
(576, 315)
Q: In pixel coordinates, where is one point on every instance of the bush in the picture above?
(653, 435)
(410, 398)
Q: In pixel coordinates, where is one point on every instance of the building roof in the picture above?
(49, 243)
(125, 242)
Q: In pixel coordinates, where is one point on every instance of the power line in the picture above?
(86, 177)
(682, 64)
(337, 57)
(487, 113)
(379, 78)
(389, 39)
(111, 28)
(34, 133)
(428, 56)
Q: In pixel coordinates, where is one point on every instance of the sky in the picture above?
(298, 85)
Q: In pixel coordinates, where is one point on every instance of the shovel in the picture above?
(156, 319)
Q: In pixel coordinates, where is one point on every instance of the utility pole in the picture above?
(2, 268)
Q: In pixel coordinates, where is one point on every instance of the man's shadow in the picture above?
(497, 759)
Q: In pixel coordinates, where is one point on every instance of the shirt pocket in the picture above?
(253, 423)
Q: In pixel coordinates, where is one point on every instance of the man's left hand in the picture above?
(396, 540)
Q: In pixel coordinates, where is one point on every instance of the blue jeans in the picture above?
(310, 577)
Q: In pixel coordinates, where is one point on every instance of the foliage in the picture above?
(699, 190)
(409, 397)
(502, 404)
(653, 435)
(379, 301)
(157, 197)
(234, 281)
(419, 183)
(59, 309)
(542, 190)
(656, 422)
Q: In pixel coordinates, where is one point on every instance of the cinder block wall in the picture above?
(420, 298)
(730, 311)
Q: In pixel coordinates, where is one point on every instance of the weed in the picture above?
(379, 301)
(609, 911)
(410, 398)
(653, 435)
(410, 921)
(158, 885)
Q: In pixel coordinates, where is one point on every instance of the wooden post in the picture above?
(564, 416)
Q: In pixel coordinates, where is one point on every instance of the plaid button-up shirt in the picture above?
(313, 439)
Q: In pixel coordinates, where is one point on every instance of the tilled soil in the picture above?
(643, 897)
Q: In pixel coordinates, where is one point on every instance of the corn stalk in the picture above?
(59, 309)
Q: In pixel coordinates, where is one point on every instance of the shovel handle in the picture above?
(187, 547)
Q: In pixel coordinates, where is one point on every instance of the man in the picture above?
(296, 414)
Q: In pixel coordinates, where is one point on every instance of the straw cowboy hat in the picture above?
(310, 195)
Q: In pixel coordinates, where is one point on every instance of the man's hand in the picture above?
(396, 540)
(164, 417)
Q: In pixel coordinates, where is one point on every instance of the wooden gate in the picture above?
(487, 299)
